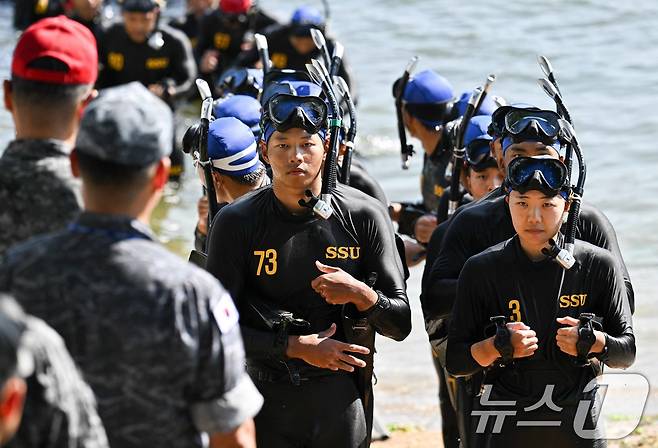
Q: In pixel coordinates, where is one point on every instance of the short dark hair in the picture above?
(252, 179)
(102, 173)
(47, 94)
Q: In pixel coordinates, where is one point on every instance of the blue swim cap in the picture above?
(487, 108)
(428, 87)
(232, 147)
(477, 129)
(244, 108)
(307, 15)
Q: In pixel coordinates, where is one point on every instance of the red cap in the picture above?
(235, 6)
(59, 38)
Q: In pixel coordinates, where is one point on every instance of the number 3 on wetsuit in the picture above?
(268, 256)
(515, 308)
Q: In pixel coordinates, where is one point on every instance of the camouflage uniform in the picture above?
(60, 408)
(37, 190)
(156, 338)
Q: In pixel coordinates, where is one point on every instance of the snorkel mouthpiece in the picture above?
(561, 256)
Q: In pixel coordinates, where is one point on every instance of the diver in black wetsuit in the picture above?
(226, 32)
(486, 223)
(539, 347)
(480, 175)
(301, 283)
(142, 49)
(292, 47)
(26, 12)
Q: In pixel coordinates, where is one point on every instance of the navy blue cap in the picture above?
(243, 107)
(307, 16)
(477, 129)
(127, 125)
(232, 147)
(298, 88)
(487, 108)
(428, 87)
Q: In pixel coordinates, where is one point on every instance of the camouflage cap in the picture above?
(127, 125)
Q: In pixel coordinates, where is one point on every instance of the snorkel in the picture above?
(322, 205)
(459, 151)
(263, 52)
(549, 86)
(406, 151)
(350, 136)
(336, 59)
(195, 142)
(321, 44)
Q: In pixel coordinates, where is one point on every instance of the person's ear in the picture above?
(12, 398)
(465, 177)
(75, 164)
(217, 179)
(507, 199)
(161, 176)
(9, 102)
(263, 151)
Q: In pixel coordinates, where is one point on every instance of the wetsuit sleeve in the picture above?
(617, 321)
(221, 394)
(226, 246)
(441, 284)
(391, 315)
(184, 70)
(595, 228)
(363, 181)
(467, 323)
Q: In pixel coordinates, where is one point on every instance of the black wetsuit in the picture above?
(472, 229)
(263, 254)
(165, 58)
(216, 34)
(284, 55)
(165, 61)
(504, 281)
(363, 181)
(26, 12)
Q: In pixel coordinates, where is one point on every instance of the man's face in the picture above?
(87, 9)
(295, 157)
(536, 217)
(527, 149)
(479, 183)
(140, 25)
(303, 45)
